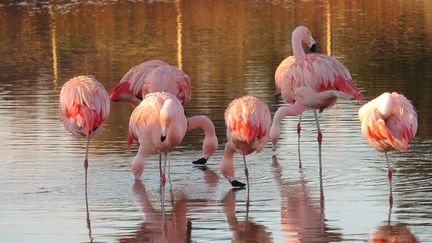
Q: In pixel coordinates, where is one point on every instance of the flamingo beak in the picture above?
(312, 45)
(163, 134)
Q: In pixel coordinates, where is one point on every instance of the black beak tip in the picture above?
(313, 48)
(201, 161)
(163, 138)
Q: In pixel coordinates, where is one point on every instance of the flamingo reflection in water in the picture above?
(173, 226)
(392, 233)
(159, 226)
(302, 217)
(247, 230)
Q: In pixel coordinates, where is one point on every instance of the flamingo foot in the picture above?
(236, 183)
(163, 179)
(85, 164)
(319, 137)
(201, 161)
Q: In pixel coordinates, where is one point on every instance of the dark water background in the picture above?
(229, 49)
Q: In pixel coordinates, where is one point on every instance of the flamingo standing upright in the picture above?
(159, 124)
(248, 123)
(84, 106)
(309, 81)
(158, 76)
(389, 122)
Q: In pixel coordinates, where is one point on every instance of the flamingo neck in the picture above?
(202, 122)
(296, 42)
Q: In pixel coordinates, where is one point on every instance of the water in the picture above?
(229, 49)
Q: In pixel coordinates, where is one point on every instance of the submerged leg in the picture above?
(389, 175)
(246, 170)
(319, 139)
(298, 139)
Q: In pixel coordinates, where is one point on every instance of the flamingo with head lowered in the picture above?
(159, 125)
(248, 123)
(309, 81)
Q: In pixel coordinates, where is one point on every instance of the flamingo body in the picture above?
(389, 122)
(84, 105)
(248, 123)
(159, 124)
(130, 86)
(168, 78)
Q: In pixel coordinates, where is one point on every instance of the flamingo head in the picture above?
(274, 135)
(306, 37)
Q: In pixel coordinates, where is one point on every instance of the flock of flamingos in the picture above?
(158, 91)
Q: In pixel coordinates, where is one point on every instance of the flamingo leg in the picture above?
(246, 170)
(163, 178)
(319, 139)
(86, 194)
(298, 139)
(160, 166)
(390, 175)
(169, 167)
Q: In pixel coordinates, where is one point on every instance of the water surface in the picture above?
(229, 49)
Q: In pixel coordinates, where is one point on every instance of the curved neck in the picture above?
(297, 46)
(289, 110)
(202, 122)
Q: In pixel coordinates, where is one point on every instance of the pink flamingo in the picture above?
(84, 106)
(248, 123)
(129, 88)
(389, 122)
(158, 76)
(159, 124)
(313, 81)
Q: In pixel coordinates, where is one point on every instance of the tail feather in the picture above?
(349, 87)
(119, 90)
(131, 139)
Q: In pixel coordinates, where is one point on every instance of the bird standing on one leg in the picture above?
(84, 106)
(389, 122)
(248, 123)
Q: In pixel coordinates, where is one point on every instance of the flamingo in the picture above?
(84, 106)
(129, 88)
(159, 124)
(248, 123)
(389, 122)
(309, 81)
(158, 76)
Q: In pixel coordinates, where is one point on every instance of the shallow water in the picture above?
(229, 49)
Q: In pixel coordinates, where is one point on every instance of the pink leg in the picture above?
(246, 170)
(319, 138)
(298, 139)
(390, 176)
(163, 177)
